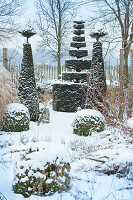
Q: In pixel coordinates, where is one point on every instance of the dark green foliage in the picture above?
(16, 122)
(84, 126)
(79, 39)
(97, 69)
(79, 22)
(98, 87)
(78, 44)
(51, 178)
(79, 32)
(78, 65)
(27, 86)
(78, 26)
(75, 76)
(68, 97)
(27, 33)
(78, 53)
(98, 35)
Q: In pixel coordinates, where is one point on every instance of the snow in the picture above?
(89, 112)
(115, 83)
(130, 122)
(16, 107)
(89, 157)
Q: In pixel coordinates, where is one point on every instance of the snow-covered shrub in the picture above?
(7, 94)
(67, 97)
(87, 121)
(42, 171)
(16, 118)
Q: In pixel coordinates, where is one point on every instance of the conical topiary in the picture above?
(27, 85)
(97, 79)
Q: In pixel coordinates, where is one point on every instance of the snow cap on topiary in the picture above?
(17, 107)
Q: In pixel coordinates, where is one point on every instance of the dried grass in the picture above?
(114, 105)
(8, 93)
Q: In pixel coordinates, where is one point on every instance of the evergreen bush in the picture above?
(41, 172)
(84, 124)
(16, 118)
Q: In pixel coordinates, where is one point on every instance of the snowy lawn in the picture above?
(99, 163)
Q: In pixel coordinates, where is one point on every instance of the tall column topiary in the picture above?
(27, 85)
(97, 80)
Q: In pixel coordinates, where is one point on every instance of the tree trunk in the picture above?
(59, 40)
(125, 66)
(121, 79)
(59, 64)
(130, 87)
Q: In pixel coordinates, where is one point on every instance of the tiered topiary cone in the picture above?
(78, 64)
(67, 97)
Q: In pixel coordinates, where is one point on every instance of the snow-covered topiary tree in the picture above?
(27, 85)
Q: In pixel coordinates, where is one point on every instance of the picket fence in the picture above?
(44, 73)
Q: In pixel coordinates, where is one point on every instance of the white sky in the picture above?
(83, 14)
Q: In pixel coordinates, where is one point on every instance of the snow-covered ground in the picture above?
(92, 159)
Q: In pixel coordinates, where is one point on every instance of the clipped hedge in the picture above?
(67, 97)
(88, 121)
(16, 118)
(78, 53)
(76, 77)
(78, 44)
(78, 26)
(78, 39)
(41, 174)
(79, 32)
(78, 65)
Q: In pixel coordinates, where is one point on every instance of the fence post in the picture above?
(5, 62)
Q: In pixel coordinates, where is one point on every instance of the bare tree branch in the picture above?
(54, 17)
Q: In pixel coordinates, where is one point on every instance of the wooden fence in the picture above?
(44, 73)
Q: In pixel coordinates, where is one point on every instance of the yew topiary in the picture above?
(42, 172)
(88, 121)
(16, 118)
(27, 85)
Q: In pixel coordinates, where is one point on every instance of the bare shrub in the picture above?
(113, 104)
(47, 96)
